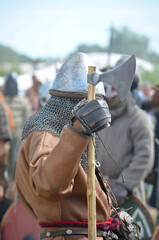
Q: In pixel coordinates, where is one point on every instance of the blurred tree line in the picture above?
(122, 41)
(10, 60)
(9, 55)
(152, 76)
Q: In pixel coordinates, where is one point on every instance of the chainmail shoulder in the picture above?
(52, 118)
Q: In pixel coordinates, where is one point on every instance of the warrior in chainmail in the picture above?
(51, 172)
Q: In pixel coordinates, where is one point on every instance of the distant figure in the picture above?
(5, 137)
(146, 92)
(135, 91)
(153, 176)
(32, 94)
(155, 99)
(10, 115)
(21, 111)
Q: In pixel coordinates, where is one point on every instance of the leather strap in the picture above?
(83, 134)
(76, 232)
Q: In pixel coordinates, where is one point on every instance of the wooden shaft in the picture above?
(91, 192)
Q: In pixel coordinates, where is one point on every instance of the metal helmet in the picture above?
(71, 78)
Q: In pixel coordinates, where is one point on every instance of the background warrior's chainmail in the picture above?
(52, 118)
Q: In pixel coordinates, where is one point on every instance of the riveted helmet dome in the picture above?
(71, 78)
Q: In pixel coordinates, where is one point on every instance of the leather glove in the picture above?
(120, 192)
(93, 116)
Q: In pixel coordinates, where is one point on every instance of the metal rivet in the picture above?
(97, 163)
(69, 231)
(48, 234)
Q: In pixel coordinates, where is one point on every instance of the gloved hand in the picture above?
(93, 116)
(128, 228)
(119, 191)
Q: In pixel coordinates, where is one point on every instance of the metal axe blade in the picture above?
(120, 78)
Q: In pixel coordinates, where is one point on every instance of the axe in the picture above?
(120, 78)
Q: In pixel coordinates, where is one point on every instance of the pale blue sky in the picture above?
(42, 28)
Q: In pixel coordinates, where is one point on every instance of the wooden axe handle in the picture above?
(91, 193)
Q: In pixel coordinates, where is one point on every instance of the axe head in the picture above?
(120, 78)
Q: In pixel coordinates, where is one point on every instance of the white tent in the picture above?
(102, 60)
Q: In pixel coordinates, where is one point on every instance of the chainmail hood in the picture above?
(52, 117)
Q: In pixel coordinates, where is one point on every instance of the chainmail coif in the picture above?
(52, 118)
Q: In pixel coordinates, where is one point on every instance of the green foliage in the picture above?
(124, 41)
(152, 76)
(4, 69)
(9, 55)
(128, 42)
(153, 57)
(90, 48)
